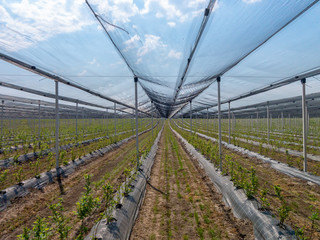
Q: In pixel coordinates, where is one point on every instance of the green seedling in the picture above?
(284, 209)
(60, 220)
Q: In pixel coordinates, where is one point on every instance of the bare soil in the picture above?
(300, 195)
(23, 212)
(182, 203)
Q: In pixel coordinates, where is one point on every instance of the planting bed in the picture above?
(109, 168)
(301, 197)
(290, 155)
(182, 203)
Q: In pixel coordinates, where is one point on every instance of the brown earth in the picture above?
(182, 203)
(23, 212)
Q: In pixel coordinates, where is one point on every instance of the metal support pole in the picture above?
(39, 119)
(207, 119)
(304, 123)
(289, 122)
(152, 119)
(132, 120)
(191, 116)
(136, 107)
(282, 125)
(115, 119)
(219, 122)
(268, 125)
(257, 125)
(76, 121)
(2, 116)
(57, 138)
(107, 116)
(229, 125)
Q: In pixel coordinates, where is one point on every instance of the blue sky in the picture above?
(63, 37)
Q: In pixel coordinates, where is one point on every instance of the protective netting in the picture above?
(175, 48)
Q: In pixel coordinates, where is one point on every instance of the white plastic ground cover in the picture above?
(265, 225)
(281, 167)
(126, 215)
(17, 191)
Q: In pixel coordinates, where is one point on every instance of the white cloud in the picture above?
(146, 8)
(93, 61)
(151, 43)
(159, 15)
(119, 11)
(195, 3)
(131, 43)
(251, 1)
(172, 24)
(27, 22)
(164, 9)
(174, 54)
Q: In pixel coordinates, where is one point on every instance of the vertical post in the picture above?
(39, 119)
(107, 122)
(136, 108)
(132, 124)
(2, 110)
(115, 120)
(304, 123)
(191, 116)
(219, 122)
(207, 119)
(282, 125)
(229, 125)
(152, 118)
(122, 120)
(257, 125)
(289, 122)
(57, 138)
(77, 121)
(268, 125)
(82, 119)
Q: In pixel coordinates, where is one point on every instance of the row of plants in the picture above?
(23, 143)
(274, 152)
(275, 140)
(99, 199)
(271, 196)
(46, 162)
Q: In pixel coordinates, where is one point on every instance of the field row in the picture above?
(293, 201)
(86, 198)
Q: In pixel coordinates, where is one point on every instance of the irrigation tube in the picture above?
(128, 213)
(265, 225)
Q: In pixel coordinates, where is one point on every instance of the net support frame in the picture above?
(219, 122)
(137, 126)
(304, 124)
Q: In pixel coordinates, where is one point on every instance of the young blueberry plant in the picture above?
(108, 201)
(86, 205)
(61, 222)
(284, 209)
(251, 186)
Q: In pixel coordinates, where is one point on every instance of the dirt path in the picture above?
(181, 203)
(24, 211)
